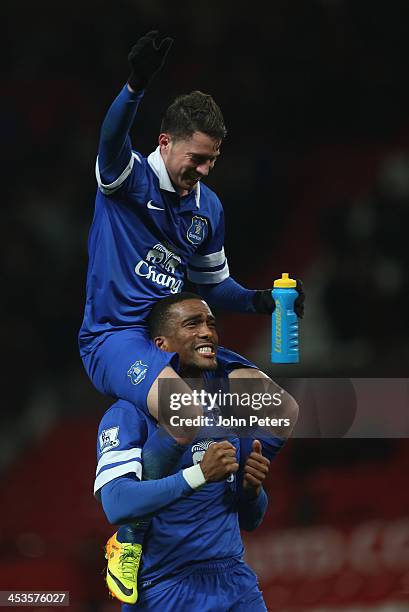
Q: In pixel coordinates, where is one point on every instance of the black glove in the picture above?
(146, 58)
(264, 303)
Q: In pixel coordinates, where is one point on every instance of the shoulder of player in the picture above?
(209, 194)
(138, 157)
(122, 411)
(209, 200)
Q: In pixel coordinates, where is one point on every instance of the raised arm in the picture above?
(146, 57)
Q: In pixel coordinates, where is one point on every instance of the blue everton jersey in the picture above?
(199, 527)
(144, 240)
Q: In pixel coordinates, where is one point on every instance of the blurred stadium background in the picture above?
(314, 178)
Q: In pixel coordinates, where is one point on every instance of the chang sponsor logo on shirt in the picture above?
(167, 261)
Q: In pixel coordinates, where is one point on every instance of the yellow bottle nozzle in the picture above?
(285, 282)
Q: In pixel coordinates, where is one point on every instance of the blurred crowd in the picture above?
(366, 293)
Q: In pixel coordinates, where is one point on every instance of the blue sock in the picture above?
(133, 532)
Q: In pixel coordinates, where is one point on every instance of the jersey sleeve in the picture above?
(209, 264)
(116, 160)
(251, 512)
(121, 435)
(135, 166)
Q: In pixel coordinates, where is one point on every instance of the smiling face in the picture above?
(188, 160)
(191, 332)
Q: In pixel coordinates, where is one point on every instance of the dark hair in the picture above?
(159, 315)
(194, 112)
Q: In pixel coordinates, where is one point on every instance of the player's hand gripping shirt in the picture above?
(143, 241)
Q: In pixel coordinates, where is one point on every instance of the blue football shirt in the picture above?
(144, 240)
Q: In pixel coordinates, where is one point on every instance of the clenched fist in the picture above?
(219, 461)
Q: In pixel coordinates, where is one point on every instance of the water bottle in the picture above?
(284, 338)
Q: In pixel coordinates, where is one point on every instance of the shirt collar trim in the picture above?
(157, 164)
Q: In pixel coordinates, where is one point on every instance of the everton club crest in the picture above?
(137, 372)
(197, 231)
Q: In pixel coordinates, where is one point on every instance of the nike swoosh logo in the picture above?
(152, 207)
(122, 587)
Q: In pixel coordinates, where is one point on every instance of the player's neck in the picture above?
(181, 192)
(192, 373)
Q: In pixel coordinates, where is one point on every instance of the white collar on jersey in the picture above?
(158, 166)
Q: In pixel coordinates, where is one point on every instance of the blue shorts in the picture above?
(224, 586)
(126, 364)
